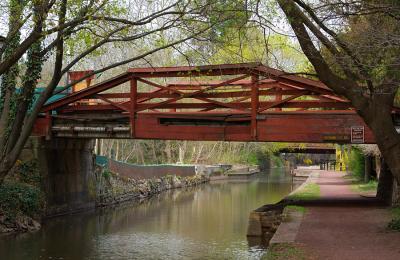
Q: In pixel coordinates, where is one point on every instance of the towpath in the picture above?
(344, 225)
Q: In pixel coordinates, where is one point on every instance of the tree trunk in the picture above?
(379, 120)
(367, 168)
(168, 151)
(378, 166)
(388, 186)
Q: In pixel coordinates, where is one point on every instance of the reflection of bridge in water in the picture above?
(240, 102)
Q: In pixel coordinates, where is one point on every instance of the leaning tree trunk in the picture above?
(379, 120)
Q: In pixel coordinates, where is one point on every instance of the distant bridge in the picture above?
(233, 102)
(311, 148)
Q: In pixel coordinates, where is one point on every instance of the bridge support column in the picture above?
(67, 167)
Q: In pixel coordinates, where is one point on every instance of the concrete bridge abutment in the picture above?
(67, 167)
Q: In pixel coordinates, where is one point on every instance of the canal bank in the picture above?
(113, 188)
(265, 220)
(201, 222)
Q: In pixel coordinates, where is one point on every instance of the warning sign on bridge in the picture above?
(357, 134)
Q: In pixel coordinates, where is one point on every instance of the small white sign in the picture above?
(357, 134)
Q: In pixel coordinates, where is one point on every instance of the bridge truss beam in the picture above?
(233, 102)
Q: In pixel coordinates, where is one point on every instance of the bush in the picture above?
(307, 161)
(20, 198)
(394, 224)
(28, 172)
(253, 158)
(356, 163)
(107, 174)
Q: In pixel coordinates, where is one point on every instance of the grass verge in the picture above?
(361, 187)
(284, 251)
(309, 192)
(297, 208)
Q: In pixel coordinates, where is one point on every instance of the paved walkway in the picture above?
(344, 225)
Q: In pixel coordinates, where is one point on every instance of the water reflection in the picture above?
(206, 222)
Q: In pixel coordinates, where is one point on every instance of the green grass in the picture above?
(297, 208)
(309, 192)
(394, 224)
(364, 187)
(284, 251)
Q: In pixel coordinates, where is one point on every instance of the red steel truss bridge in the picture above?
(230, 102)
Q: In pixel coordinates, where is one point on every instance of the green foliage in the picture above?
(297, 208)
(10, 77)
(107, 174)
(308, 192)
(394, 224)
(85, 38)
(20, 198)
(277, 161)
(225, 15)
(356, 163)
(251, 45)
(20, 193)
(253, 158)
(372, 185)
(28, 172)
(307, 161)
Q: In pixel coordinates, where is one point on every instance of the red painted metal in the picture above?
(233, 102)
(133, 107)
(255, 104)
(88, 92)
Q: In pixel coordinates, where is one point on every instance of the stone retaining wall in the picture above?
(113, 189)
(264, 221)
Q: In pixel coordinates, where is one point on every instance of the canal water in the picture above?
(204, 222)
